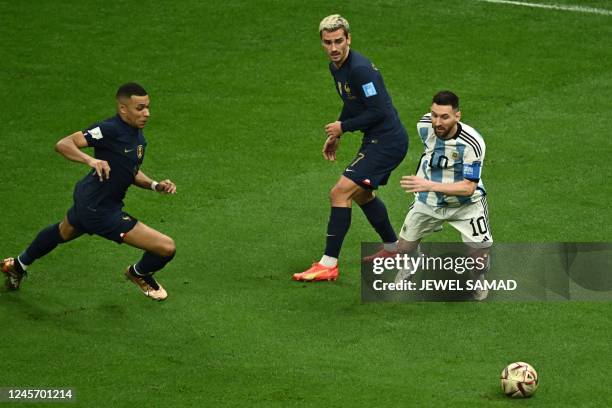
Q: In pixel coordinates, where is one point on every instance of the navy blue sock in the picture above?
(45, 242)
(337, 227)
(151, 263)
(376, 213)
(147, 278)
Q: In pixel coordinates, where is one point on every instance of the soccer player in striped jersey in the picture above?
(448, 185)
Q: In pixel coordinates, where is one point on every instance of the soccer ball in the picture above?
(519, 380)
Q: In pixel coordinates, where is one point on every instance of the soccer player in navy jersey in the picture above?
(119, 149)
(367, 107)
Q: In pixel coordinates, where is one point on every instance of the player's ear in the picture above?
(348, 39)
(458, 115)
(121, 107)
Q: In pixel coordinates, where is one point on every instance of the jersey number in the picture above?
(442, 161)
(478, 225)
(360, 156)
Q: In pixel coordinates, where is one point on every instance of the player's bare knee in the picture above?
(339, 193)
(67, 231)
(167, 247)
(334, 194)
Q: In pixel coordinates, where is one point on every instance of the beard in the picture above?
(442, 133)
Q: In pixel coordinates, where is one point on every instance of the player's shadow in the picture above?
(18, 308)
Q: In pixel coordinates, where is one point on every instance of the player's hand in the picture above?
(334, 129)
(415, 184)
(101, 167)
(166, 187)
(330, 147)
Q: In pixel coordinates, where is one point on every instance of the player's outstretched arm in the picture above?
(416, 184)
(164, 186)
(70, 147)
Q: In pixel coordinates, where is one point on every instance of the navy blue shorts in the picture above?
(109, 224)
(374, 163)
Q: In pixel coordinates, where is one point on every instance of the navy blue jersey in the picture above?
(123, 147)
(367, 105)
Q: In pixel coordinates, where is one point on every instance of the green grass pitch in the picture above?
(240, 93)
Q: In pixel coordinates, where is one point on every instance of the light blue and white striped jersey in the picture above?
(449, 161)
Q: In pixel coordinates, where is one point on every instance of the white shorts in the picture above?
(471, 220)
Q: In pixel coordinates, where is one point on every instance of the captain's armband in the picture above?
(471, 171)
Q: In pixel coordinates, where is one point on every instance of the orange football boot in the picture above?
(317, 272)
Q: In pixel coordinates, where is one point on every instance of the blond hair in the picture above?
(333, 23)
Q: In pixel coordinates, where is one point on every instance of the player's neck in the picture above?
(124, 120)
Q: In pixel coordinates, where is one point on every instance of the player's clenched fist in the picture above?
(334, 129)
(166, 187)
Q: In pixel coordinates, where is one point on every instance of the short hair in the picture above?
(129, 89)
(333, 23)
(446, 98)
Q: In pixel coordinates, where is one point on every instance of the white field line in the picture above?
(579, 9)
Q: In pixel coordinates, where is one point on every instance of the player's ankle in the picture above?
(390, 246)
(328, 261)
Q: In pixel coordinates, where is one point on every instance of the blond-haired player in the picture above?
(367, 107)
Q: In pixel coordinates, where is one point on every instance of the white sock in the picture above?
(390, 246)
(23, 266)
(328, 261)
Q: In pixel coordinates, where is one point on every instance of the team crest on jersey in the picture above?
(139, 151)
(347, 89)
(455, 155)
